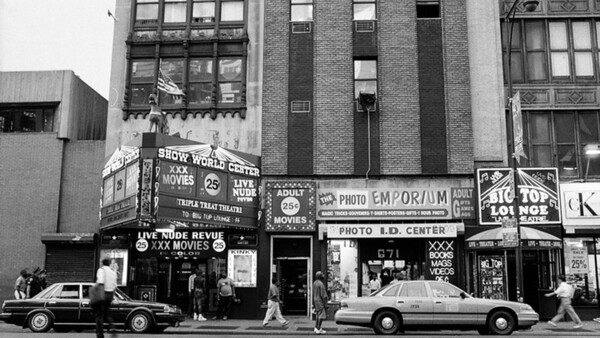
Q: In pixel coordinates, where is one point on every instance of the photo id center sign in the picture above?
(426, 230)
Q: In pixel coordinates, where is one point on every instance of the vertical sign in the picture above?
(509, 232)
(517, 126)
(440, 262)
(491, 277)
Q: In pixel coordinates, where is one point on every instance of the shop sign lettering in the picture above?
(428, 230)
(440, 261)
(180, 243)
(407, 203)
(290, 206)
(580, 204)
(537, 194)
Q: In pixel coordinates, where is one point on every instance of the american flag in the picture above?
(168, 86)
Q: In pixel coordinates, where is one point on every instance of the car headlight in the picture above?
(525, 307)
(170, 309)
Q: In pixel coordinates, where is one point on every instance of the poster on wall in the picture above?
(576, 259)
(492, 277)
(440, 262)
(118, 262)
(241, 267)
(538, 195)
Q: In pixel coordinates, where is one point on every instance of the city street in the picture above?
(299, 327)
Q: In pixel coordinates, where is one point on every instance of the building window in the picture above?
(557, 139)
(203, 11)
(173, 69)
(142, 82)
(566, 56)
(302, 10)
(427, 9)
(175, 11)
(230, 80)
(232, 10)
(364, 10)
(201, 81)
(26, 119)
(146, 12)
(365, 77)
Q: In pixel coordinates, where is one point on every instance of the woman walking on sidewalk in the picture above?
(273, 305)
(564, 293)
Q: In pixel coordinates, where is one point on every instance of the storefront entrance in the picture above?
(167, 280)
(291, 263)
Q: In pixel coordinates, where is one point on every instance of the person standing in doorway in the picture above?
(21, 285)
(564, 292)
(319, 302)
(199, 282)
(191, 293)
(226, 295)
(108, 278)
(273, 305)
(374, 283)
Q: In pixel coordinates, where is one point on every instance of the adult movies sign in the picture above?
(537, 193)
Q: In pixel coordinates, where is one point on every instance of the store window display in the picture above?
(342, 279)
(581, 267)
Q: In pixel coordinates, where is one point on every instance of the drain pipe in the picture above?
(368, 141)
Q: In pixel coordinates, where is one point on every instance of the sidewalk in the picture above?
(303, 325)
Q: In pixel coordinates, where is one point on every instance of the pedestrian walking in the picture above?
(191, 294)
(199, 282)
(273, 305)
(564, 292)
(225, 297)
(106, 277)
(21, 285)
(319, 302)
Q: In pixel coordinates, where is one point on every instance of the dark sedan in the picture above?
(66, 306)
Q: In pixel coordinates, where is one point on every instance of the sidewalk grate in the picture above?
(271, 328)
(214, 327)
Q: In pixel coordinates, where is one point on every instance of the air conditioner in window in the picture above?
(364, 26)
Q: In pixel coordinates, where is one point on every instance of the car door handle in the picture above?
(51, 302)
(400, 301)
(438, 302)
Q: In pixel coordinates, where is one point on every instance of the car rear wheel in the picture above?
(386, 322)
(501, 322)
(140, 322)
(40, 322)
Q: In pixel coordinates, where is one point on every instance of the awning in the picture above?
(530, 238)
(69, 237)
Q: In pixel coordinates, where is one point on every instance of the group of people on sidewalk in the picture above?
(28, 284)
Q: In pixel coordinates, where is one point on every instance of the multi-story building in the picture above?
(555, 67)
(52, 130)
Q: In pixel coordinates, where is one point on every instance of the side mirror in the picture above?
(463, 295)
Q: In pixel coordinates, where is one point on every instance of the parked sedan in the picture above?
(66, 306)
(420, 305)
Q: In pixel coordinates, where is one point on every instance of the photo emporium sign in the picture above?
(290, 206)
(203, 184)
(440, 263)
(426, 203)
(538, 195)
(180, 243)
(241, 267)
(121, 175)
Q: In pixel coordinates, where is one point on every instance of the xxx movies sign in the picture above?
(537, 193)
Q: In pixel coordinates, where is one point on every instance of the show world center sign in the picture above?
(537, 193)
(199, 184)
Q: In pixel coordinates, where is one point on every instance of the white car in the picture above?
(427, 305)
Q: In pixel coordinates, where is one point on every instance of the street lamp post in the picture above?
(530, 6)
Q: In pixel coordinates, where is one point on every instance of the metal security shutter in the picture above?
(70, 263)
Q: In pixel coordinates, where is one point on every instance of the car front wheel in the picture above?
(501, 322)
(40, 322)
(386, 322)
(140, 322)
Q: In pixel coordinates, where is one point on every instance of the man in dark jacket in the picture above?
(319, 302)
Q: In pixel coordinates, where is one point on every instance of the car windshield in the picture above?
(46, 292)
(121, 295)
(386, 288)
